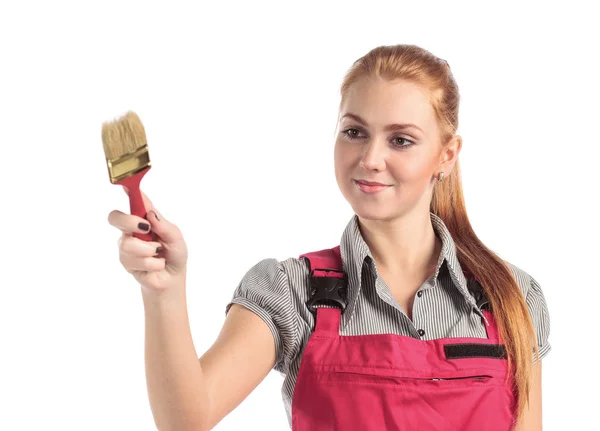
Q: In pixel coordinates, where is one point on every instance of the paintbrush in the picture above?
(128, 160)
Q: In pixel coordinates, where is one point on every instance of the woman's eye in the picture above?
(399, 138)
(398, 142)
(349, 134)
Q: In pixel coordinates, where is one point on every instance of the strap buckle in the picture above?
(328, 289)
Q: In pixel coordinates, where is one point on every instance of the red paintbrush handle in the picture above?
(136, 202)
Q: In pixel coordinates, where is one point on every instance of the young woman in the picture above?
(412, 323)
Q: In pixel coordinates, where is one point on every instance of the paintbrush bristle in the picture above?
(123, 136)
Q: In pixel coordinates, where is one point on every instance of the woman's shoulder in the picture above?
(275, 290)
(295, 267)
(526, 282)
(536, 304)
(292, 269)
(280, 282)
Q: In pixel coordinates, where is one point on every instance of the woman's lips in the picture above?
(370, 187)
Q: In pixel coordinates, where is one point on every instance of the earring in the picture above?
(441, 177)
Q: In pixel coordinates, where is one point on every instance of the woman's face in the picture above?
(405, 159)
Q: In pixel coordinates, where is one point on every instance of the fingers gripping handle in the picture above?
(136, 202)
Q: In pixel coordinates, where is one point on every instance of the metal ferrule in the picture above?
(128, 165)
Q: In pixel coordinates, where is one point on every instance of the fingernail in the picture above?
(144, 226)
(159, 249)
(155, 214)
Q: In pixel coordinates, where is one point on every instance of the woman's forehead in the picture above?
(381, 103)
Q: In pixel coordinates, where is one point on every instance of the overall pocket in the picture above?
(394, 377)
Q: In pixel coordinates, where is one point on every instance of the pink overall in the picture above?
(394, 382)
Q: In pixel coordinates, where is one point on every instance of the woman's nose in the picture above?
(373, 156)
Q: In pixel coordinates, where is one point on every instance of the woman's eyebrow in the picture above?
(389, 127)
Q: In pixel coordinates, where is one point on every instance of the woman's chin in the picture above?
(372, 212)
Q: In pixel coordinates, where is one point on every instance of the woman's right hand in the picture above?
(157, 271)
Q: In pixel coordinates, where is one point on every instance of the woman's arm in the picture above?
(532, 416)
(237, 362)
(190, 394)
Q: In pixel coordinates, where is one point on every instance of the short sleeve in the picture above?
(265, 290)
(538, 310)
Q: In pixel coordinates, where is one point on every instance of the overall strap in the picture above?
(327, 321)
(328, 284)
(476, 289)
(329, 258)
(491, 328)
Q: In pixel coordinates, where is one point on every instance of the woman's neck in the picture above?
(407, 246)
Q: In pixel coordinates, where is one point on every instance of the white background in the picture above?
(239, 101)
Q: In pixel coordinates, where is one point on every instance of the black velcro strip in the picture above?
(472, 350)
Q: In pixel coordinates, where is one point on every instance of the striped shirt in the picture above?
(447, 304)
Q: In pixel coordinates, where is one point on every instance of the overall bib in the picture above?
(395, 382)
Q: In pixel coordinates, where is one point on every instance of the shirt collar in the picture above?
(354, 251)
